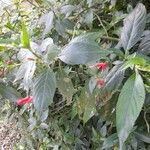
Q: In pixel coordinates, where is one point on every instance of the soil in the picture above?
(9, 135)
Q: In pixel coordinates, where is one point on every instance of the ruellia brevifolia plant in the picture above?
(77, 74)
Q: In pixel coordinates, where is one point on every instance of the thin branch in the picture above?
(102, 24)
(148, 127)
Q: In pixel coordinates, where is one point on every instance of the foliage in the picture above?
(52, 51)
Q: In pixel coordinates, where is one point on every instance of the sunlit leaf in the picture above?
(25, 36)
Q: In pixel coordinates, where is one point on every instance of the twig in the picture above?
(110, 38)
(148, 127)
(102, 24)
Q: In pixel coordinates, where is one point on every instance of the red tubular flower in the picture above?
(24, 101)
(101, 65)
(100, 83)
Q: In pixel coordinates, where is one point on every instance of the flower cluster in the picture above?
(23, 101)
(103, 67)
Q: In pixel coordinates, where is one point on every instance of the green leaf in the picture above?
(9, 93)
(114, 78)
(25, 37)
(86, 104)
(145, 137)
(134, 25)
(110, 141)
(83, 50)
(51, 54)
(26, 69)
(90, 109)
(134, 61)
(44, 89)
(144, 47)
(129, 105)
(65, 85)
(48, 20)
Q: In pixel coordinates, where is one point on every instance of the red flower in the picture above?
(24, 101)
(101, 65)
(100, 83)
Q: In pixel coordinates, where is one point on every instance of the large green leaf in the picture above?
(83, 50)
(129, 105)
(44, 89)
(25, 36)
(9, 93)
(134, 25)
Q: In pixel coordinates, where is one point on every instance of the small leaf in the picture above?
(48, 20)
(134, 25)
(27, 68)
(134, 61)
(51, 54)
(83, 50)
(44, 89)
(65, 85)
(25, 37)
(67, 10)
(44, 115)
(86, 104)
(90, 110)
(87, 18)
(92, 84)
(129, 105)
(32, 121)
(110, 141)
(60, 28)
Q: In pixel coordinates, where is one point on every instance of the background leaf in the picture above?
(44, 89)
(129, 105)
(27, 68)
(48, 20)
(65, 85)
(110, 141)
(9, 93)
(144, 46)
(134, 25)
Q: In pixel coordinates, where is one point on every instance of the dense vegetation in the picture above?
(75, 75)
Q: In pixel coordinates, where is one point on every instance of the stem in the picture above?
(148, 127)
(110, 38)
(102, 24)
